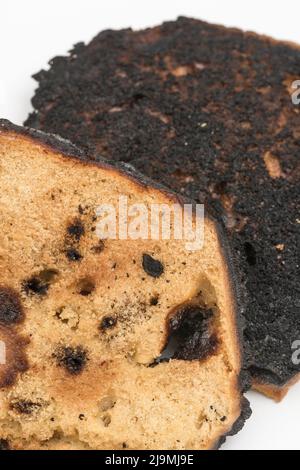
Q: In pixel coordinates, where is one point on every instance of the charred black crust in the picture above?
(240, 299)
(238, 425)
(52, 141)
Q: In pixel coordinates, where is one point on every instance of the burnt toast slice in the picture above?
(114, 343)
(208, 112)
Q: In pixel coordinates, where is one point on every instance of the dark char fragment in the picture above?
(11, 311)
(191, 330)
(76, 229)
(36, 286)
(250, 253)
(152, 267)
(86, 286)
(73, 254)
(108, 323)
(73, 359)
(40, 283)
(154, 301)
(25, 407)
(191, 335)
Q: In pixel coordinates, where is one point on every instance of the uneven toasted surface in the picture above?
(207, 111)
(85, 321)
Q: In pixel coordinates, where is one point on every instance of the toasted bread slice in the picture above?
(207, 111)
(110, 344)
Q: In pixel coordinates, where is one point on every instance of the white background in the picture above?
(33, 31)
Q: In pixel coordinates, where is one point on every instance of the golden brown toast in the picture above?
(85, 321)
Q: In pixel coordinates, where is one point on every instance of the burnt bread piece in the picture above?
(206, 111)
(114, 343)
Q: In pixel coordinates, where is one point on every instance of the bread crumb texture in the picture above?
(113, 344)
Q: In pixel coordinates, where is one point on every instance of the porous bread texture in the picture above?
(207, 111)
(89, 331)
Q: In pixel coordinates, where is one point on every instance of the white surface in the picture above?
(33, 31)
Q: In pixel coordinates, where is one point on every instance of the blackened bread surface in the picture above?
(85, 321)
(207, 111)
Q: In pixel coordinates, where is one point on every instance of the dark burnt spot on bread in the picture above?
(98, 248)
(74, 233)
(25, 407)
(4, 444)
(191, 328)
(13, 345)
(35, 285)
(15, 356)
(72, 359)
(106, 419)
(73, 254)
(81, 209)
(154, 300)
(48, 275)
(151, 266)
(39, 283)
(86, 286)
(76, 229)
(191, 335)
(11, 310)
(107, 323)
